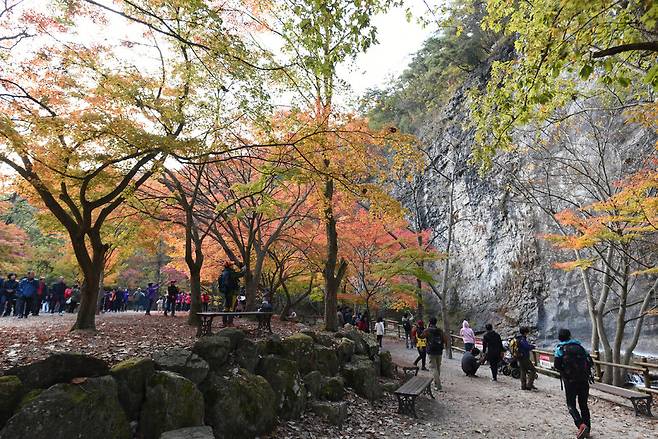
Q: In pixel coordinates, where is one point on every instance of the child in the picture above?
(379, 328)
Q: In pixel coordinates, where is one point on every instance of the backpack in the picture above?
(228, 282)
(514, 349)
(435, 341)
(406, 324)
(576, 363)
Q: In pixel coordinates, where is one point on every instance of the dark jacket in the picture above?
(57, 289)
(470, 364)
(28, 287)
(492, 344)
(228, 281)
(524, 346)
(436, 340)
(10, 287)
(172, 292)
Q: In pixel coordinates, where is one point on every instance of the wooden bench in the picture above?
(409, 391)
(264, 319)
(641, 401)
(407, 369)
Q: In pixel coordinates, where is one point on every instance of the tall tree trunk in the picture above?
(92, 268)
(99, 300)
(332, 277)
(419, 284)
(195, 293)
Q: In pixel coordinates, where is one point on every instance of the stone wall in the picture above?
(226, 386)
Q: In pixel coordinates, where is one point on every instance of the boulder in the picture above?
(234, 334)
(214, 349)
(311, 333)
(326, 360)
(273, 345)
(376, 362)
(313, 382)
(289, 390)
(246, 355)
(239, 405)
(11, 391)
(345, 350)
(60, 367)
(300, 349)
(172, 402)
(334, 412)
(332, 388)
(131, 376)
(371, 345)
(325, 339)
(356, 336)
(90, 409)
(386, 365)
(183, 362)
(361, 376)
(29, 397)
(189, 433)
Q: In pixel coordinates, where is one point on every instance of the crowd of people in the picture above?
(30, 295)
(572, 360)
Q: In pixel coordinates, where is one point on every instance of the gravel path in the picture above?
(476, 407)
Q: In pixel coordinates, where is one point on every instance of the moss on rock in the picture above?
(131, 376)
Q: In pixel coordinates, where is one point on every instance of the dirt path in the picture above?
(476, 407)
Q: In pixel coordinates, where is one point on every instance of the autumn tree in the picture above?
(85, 124)
(573, 179)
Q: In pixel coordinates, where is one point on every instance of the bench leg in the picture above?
(407, 405)
(642, 406)
(206, 326)
(428, 389)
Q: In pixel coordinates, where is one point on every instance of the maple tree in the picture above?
(385, 260)
(84, 125)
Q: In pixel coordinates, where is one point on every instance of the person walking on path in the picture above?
(57, 296)
(229, 285)
(492, 347)
(172, 292)
(151, 296)
(467, 335)
(406, 325)
(9, 290)
(421, 344)
(27, 290)
(40, 296)
(528, 371)
(380, 330)
(75, 298)
(575, 366)
(436, 340)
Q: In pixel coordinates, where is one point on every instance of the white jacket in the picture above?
(379, 327)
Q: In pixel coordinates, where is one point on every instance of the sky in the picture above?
(398, 41)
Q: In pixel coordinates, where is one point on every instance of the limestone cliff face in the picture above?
(501, 266)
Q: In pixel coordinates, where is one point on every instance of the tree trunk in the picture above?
(332, 277)
(86, 317)
(195, 293)
(99, 300)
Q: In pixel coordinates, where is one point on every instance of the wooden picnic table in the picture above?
(264, 319)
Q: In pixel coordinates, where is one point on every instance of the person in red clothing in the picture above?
(188, 301)
(205, 301)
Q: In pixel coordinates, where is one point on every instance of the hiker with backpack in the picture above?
(229, 285)
(436, 340)
(575, 366)
(520, 349)
(421, 344)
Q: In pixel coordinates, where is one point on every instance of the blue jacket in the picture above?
(558, 348)
(28, 287)
(525, 346)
